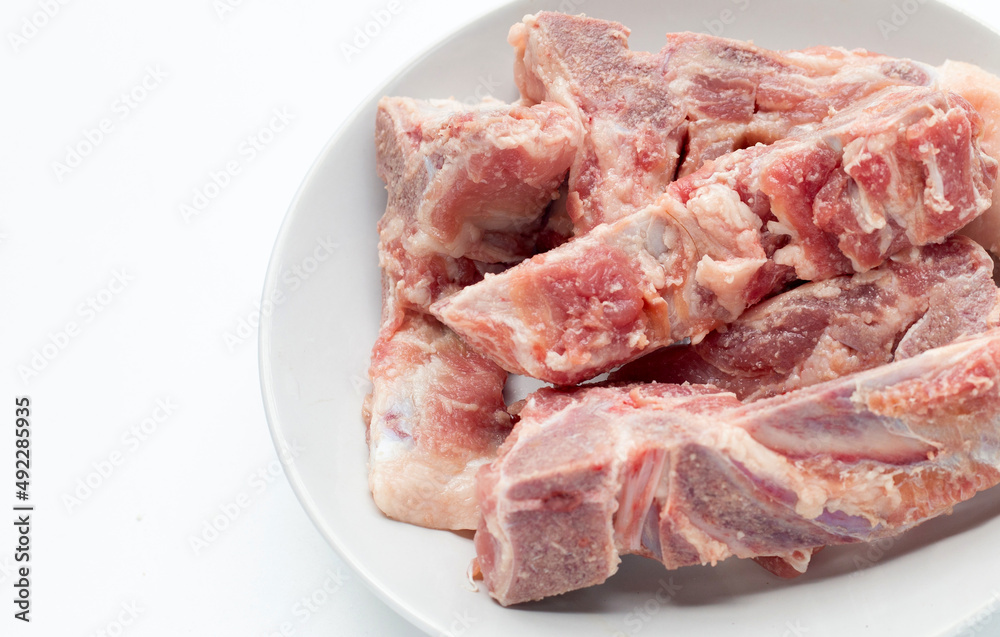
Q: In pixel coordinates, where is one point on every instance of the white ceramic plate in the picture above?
(321, 313)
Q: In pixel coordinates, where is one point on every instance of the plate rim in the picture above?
(265, 329)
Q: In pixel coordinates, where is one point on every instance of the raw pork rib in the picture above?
(737, 94)
(634, 125)
(982, 90)
(437, 415)
(466, 184)
(919, 299)
(702, 96)
(686, 474)
(698, 98)
(902, 168)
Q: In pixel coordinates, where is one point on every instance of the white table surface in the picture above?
(126, 317)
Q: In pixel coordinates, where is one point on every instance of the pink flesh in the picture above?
(856, 459)
(920, 299)
(466, 184)
(634, 125)
(436, 415)
(731, 233)
(982, 90)
(699, 98)
(738, 94)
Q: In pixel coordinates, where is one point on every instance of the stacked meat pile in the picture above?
(762, 249)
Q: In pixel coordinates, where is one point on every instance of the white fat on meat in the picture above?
(857, 459)
(728, 235)
(982, 89)
(919, 299)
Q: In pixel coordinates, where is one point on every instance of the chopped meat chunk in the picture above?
(686, 474)
(634, 125)
(466, 184)
(900, 169)
(982, 90)
(737, 94)
(436, 416)
(468, 187)
(919, 299)
(647, 114)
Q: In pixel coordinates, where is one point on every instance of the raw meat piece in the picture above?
(701, 97)
(902, 168)
(634, 125)
(737, 94)
(982, 90)
(466, 184)
(698, 98)
(436, 416)
(919, 299)
(686, 474)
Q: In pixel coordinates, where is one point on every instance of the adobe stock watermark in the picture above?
(876, 549)
(485, 87)
(874, 552)
(980, 622)
(570, 6)
(131, 440)
(311, 603)
(124, 618)
(727, 17)
(361, 383)
(900, 16)
(247, 151)
(93, 137)
(641, 614)
(227, 513)
(33, 24)
(291, 279)
(366, 33)
(223, 8)
(460, 624)
(87, 312)
(794, 629)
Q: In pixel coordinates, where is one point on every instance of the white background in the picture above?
(128, 319)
